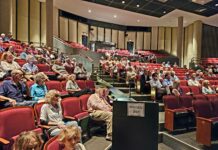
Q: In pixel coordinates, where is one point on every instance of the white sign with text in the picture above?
(136, 109)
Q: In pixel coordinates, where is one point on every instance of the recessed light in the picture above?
(164, 12)
(216, 5)
(115, 16)
(138, 20)
(137, 5)
(89, 10)
(123, 2)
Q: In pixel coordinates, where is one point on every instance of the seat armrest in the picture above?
(4, 141)
(204, 119)
(69, 117)
(44, 126)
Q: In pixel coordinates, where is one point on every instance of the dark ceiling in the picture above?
(159, 9)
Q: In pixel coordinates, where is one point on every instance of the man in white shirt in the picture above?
(193, 81)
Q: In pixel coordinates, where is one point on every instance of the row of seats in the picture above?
(180, 112)
(61, 85)
(73, 108)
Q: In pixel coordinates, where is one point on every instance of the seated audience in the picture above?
(39, 89)
(173, 76)
(144, 82)
(60, 70)
(30, 68)
(51, 114)
(69, 139)
(200, 76)
(8, 64)
(28, 140)
(80, 72)
(192, 81)
(206, 88)
(167, 83)
(101, 110)
(175, 65)
(130, 76)
(73, 89)
(14, 88)
(156, 84)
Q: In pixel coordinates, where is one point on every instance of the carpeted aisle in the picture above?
(97, 143)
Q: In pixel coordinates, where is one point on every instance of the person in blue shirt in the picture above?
(39, 90)
(167, 83)
(15, 89)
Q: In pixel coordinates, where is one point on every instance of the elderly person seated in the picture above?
(69, 66)
(101, 110)
(192, 81)
(51, 114)
(73, 89)
(173, 76)
(130, 76)
(29, 68)
(16, 89)
(8, 64)
(80, 72)
(156, 84)
(207, 89)
(69, 139)
(60, 70)
(167, 83)
(39, 89)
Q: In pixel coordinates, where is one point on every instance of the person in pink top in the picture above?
(101, 110)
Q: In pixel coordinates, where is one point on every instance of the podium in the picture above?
(135, 125)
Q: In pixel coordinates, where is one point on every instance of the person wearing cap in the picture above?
(16, 89)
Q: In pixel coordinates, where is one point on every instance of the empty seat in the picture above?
(15, 120)
(211, 97)
(81, 83)
(183, 82)
(175, 115)
(52, 144)
(90, 84)
(206, 122)
(84, 100)
(199, 97)
(195, 89)
(186, 101)
(185, 90)
(51, 85)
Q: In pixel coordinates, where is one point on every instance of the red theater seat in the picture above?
(90, 84)
(199, 97)
(15, 120)
(195, 89)
(185, 89)
(183, 82)
(81, 83)
(186, 101)
(52, 144)
(211, 97)
(175, 115)
(84, 100)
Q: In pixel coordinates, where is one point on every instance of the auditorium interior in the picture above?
(109, 75)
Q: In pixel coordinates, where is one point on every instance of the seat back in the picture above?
(71, 106)
(203, 108)
(215, 107)
(63, 84)
(199, 97)
(195, 89)
(183, 82)
(185, 89)
(81, 83)
(15, 120)
(84, 100)
(37, 111)
(186, 101)
(43, 67)
(211, 97)
(52, 144)
(54, 85)
(90, 84)
(171, 102)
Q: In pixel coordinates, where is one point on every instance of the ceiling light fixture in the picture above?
(115, 16)
(164, 12)
(89, 10)
(138, 20)
(216, 5)
(137, 5)
(123, 2)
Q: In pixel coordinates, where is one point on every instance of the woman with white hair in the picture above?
(51, 114)
(30, 68)
(8, 63)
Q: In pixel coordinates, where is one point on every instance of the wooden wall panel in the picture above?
(64, 28)
(161, 36)
(22, 20)
(107, 35)
(174, 41)
(114, 36)
(168, 38)
(72, 30)
(35, 21)
(13, 30)
(139, 40)
(154, 40)
(131, 37)
(55, 21)
(147, 40)
(100, 34)
(43, 23)
(121, 39)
